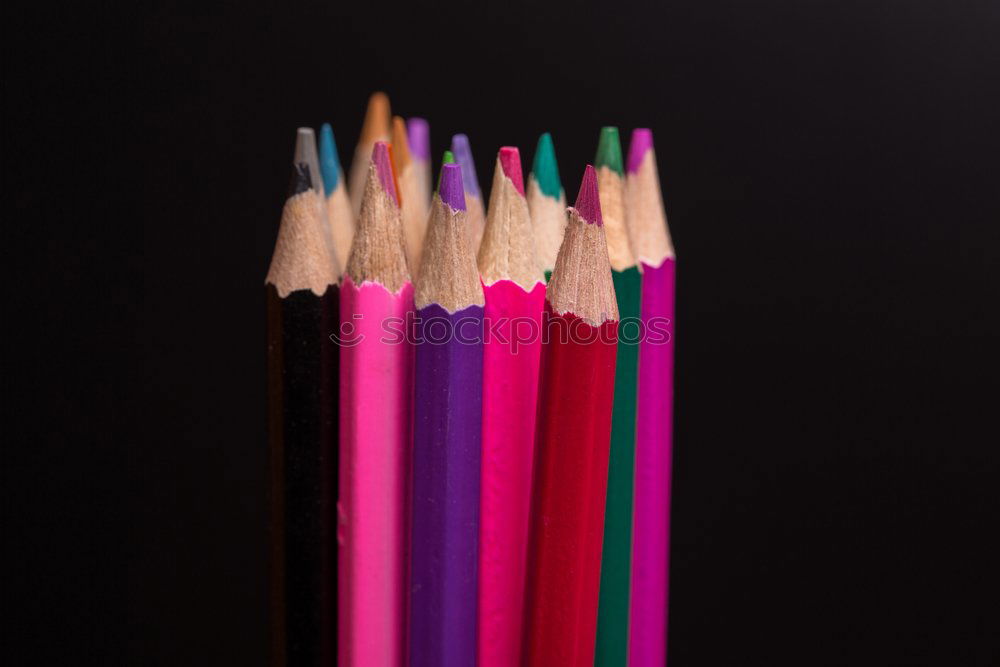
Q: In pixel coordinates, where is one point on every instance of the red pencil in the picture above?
(572, 443)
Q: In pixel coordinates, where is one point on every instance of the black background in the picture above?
(830, 174)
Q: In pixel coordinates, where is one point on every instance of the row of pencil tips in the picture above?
(461, 418)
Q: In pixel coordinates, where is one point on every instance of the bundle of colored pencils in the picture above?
(470, 406)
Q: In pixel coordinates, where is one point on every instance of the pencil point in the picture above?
(588, 202)
(400, 144)
(377, 118)
(510, 161)
(301, 182)
(609, 150)
(545, 169)
(329, 159)
(448, 158)
(419, 133)
(642, 141)
(305, 151)
(463, 156)
(383, 167)
(451, 191)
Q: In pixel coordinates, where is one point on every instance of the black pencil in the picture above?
(302, 313)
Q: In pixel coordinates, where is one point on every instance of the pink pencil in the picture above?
(375, 442)
(514, 287)
(654, 408)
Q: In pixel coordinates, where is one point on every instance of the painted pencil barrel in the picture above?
(302, 363)
(376, 404)
(653, 458)
(613, 610)
(570, 482)
(446, 467)
(510, 387)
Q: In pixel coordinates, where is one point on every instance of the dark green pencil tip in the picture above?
(609, 151)
(449, 158)
(544, 168)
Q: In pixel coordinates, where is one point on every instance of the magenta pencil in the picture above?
(376, 377)
(654, 411)
(514, 287)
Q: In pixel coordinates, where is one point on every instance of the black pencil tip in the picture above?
(301, 180)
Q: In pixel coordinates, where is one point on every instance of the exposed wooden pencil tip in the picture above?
(383, 167)
(400, 143)
(301, 180)
(451, 191)
(510, 160)
(588, 202)
(642, 141)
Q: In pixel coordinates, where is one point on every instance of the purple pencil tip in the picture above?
(642, 141)
(588, 202)
(463, 155)
(383, 167)
(510, 161)
(419, 134)
(451, 191)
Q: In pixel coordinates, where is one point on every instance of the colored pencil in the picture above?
(375, 407)
(338, 205)
(413, 200)
(473, 199)
(418, 131)
(514, 288)
(301, 292)
(575, 397)
(547, 204)
(613, 619)
(376, 127)
(447, 158)
(447, 434)
(305, 153)
(654, 438)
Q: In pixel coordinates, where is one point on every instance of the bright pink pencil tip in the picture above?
(588, 202)
(510, 160)
(383, 167)
(642, 141)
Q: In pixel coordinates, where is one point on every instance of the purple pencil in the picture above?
(418, 131)
(446, 438)
(654, 410)
(473, 198)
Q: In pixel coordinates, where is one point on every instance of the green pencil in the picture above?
(613, 609)
(547, 204)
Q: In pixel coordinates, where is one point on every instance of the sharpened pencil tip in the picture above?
(544, 167)
(383, 167)
(642, 141)
(400, 144)
(510, 161)
(463, 156)
(448, 158)
(609, 150)
(378, 118)
(419, 133)
(329, 159)
(301, 181)
(451, 191)
(305, 151)
(588, 202)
